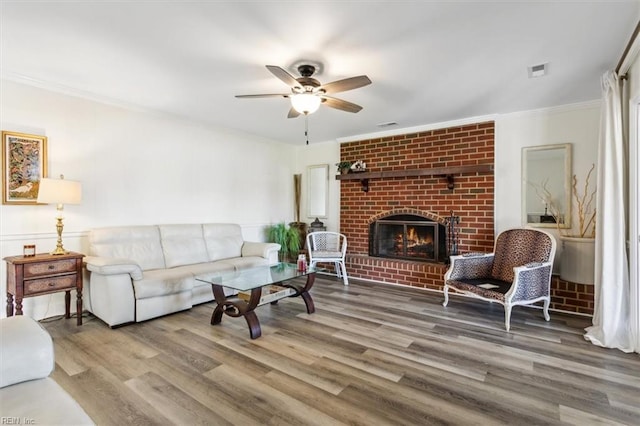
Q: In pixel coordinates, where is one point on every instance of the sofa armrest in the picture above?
(113, 266)
(26, 351)
(266, 250)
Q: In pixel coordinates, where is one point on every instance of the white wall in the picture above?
(138, 168)
(576, 124)
(316, 154)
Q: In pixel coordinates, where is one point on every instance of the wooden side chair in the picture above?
(518, 272)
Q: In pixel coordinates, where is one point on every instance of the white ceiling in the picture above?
(429, 61)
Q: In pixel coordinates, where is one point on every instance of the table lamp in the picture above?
(60, 192)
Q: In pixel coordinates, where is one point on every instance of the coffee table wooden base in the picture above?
(235, 307)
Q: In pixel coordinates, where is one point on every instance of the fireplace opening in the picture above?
(408, 237)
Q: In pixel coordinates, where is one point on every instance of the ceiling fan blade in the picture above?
(346, 84)
(266, 95)
(293, 113)
(283, 75)
(340, 104)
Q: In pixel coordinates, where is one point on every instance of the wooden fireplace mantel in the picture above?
(364, 177)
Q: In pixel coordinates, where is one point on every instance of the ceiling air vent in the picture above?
(538, 70)
(387, 124)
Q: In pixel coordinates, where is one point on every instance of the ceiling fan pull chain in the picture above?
(306, 126)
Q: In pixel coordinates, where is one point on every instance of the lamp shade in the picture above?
(305, 103)
(59, 191)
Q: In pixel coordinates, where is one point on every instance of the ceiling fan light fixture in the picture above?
(305, 103)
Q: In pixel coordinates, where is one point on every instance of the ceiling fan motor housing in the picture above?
(306, 70)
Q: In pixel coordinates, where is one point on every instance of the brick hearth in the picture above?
(472, 199)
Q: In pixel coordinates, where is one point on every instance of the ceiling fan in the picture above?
(307, 93)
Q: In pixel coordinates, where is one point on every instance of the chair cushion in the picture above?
(518, 247)
(26, 352)
(42, 402)
(318, 254)
(472, 286)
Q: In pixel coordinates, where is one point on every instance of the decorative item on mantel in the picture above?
(344, 167)
(359, 166)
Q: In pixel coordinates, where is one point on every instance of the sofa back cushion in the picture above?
(141, 244)
(183, 245)
(223, 240)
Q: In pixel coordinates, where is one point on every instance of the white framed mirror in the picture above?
(546, 186)
(317, 190)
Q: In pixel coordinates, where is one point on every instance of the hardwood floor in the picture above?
(370, 355)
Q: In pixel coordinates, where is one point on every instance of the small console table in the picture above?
(29, 276)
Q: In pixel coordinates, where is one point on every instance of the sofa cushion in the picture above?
(183, 245)
(247, 262)
(223, 240)
(138, 243)
(208, 267)
(160, 282)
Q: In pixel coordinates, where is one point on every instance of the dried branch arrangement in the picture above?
(297, 192)
(584, 203)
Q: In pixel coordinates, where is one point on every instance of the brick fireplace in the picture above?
(436, 175)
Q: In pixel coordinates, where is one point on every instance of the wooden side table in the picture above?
(44, 274)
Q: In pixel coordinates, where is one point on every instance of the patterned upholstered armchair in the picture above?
(518, 272)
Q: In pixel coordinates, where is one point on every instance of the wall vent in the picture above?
(538, 70)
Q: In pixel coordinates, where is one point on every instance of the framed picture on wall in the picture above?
(24, 164)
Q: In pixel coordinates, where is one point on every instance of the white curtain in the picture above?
(611, 323)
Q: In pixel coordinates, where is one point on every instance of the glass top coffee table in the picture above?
(257, 286)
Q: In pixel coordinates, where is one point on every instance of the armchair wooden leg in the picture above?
(446, 295)
(545, 310)
(507, 317)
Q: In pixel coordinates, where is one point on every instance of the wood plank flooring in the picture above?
(371, 355)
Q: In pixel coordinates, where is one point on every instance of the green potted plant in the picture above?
(289, 239)
(344, 167)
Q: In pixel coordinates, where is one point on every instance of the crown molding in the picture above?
(67, 90)
(421, 128)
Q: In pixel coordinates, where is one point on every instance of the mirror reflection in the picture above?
(317, 190)
(546, 185)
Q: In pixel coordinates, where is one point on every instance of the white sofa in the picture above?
(27, 394)
(136, 273)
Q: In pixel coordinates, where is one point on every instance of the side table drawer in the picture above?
(45, 285)
(49, 268)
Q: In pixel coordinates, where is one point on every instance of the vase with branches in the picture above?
(584, 201)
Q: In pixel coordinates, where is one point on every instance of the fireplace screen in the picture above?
(408, 239)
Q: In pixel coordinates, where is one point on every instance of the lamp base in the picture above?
(59, 250)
